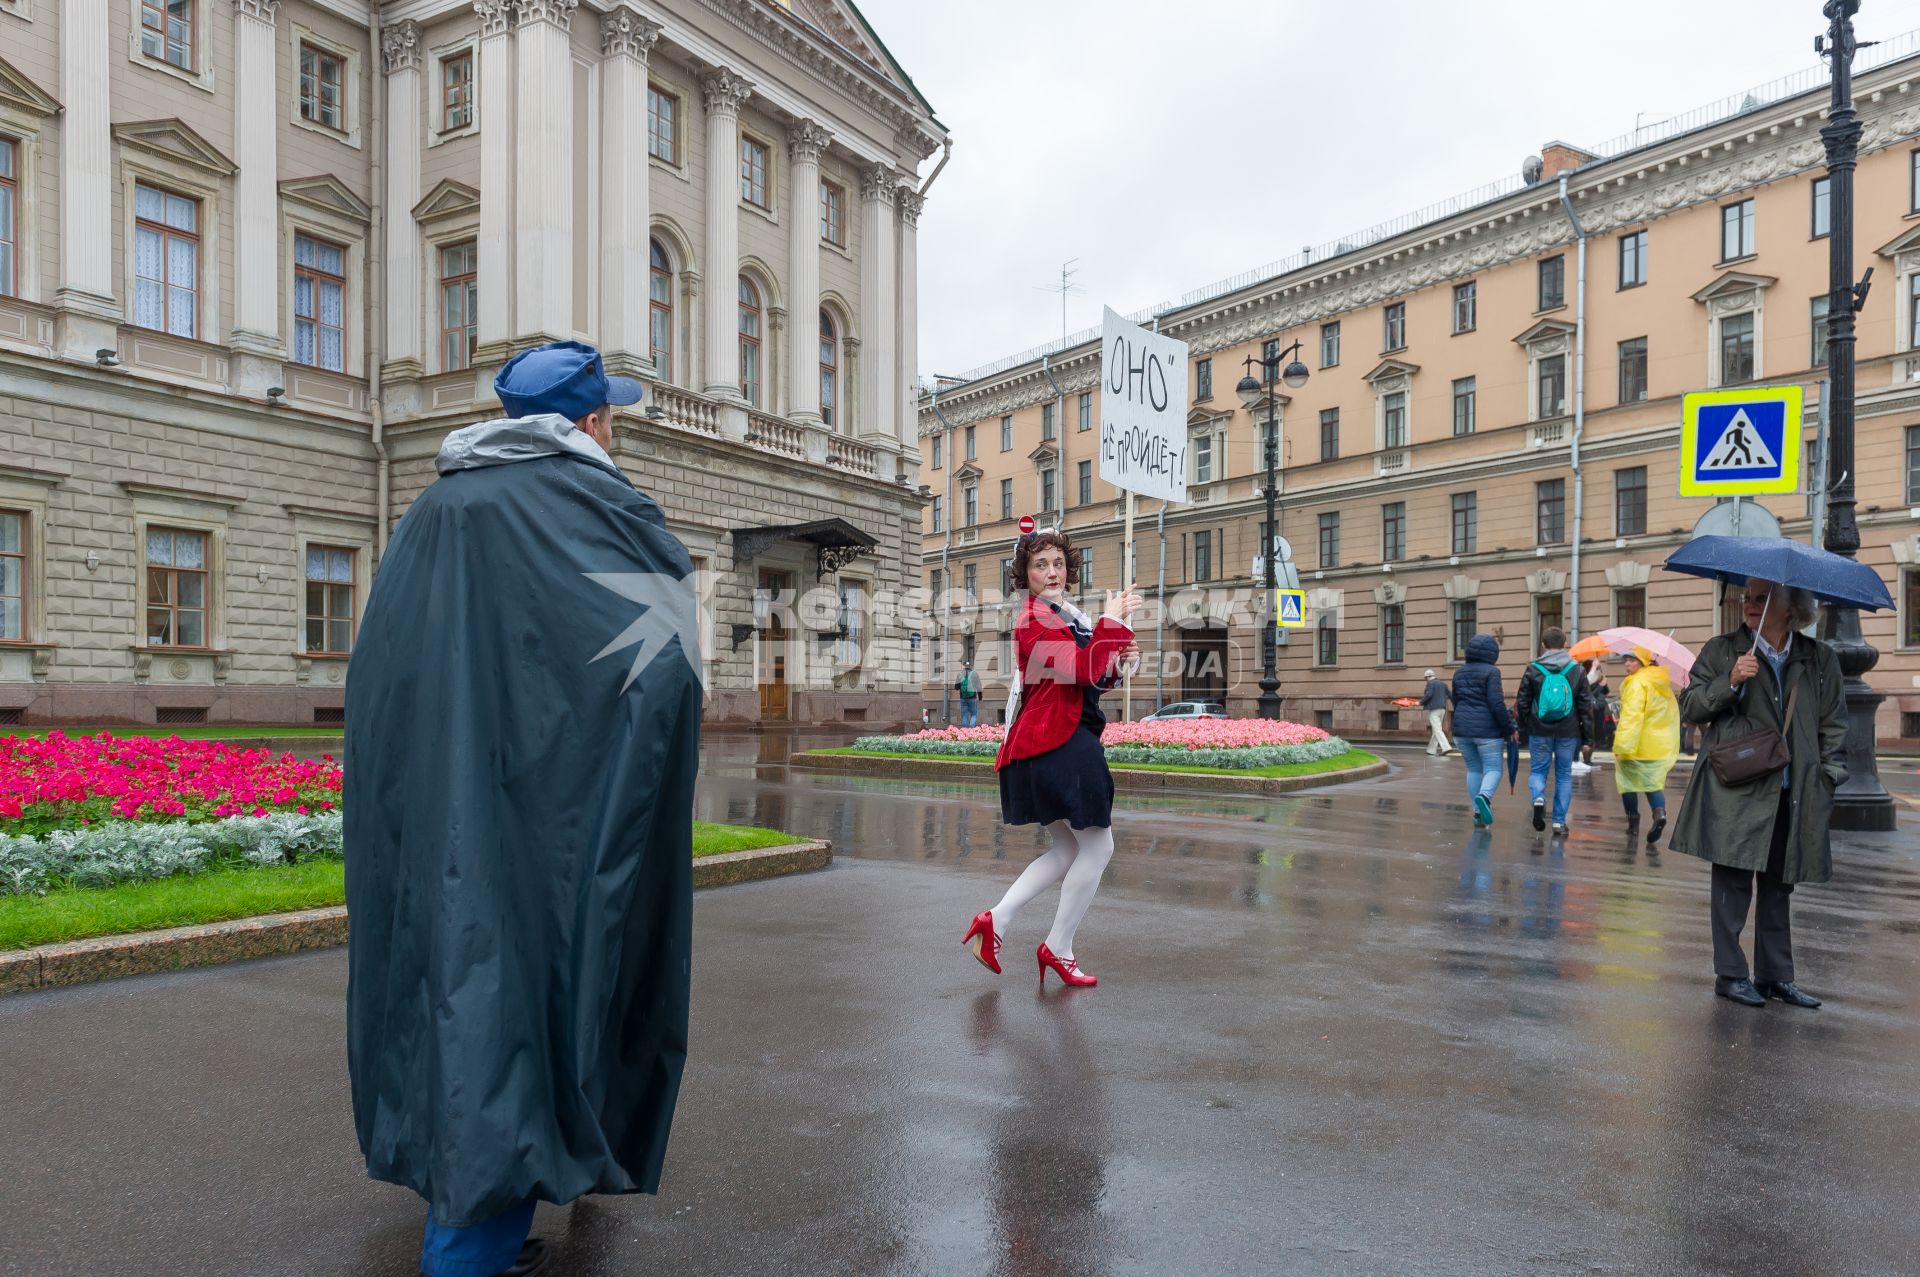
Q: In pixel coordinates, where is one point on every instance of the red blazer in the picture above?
(1054, 669)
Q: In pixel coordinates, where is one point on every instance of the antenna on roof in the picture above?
(1066, 288)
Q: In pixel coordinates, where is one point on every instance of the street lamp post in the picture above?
(1250, 392)
(1861, 802)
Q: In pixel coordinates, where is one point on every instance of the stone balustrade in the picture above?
(686, 409)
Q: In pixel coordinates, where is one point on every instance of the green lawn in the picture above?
(1352, 758)
(222, 894)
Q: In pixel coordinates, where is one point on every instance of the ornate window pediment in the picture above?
(1389, 370)
(326, 194)
(17, 91)
(173, 141)
(1549, 336)
(1046, 454)
(969, 473)
(1733, 290)
(450, 199)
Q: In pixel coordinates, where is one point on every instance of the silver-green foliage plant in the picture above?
(131, 851)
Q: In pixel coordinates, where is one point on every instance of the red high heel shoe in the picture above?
(1069, 971)
(984, 943)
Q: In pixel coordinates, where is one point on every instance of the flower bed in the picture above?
(1232, 743)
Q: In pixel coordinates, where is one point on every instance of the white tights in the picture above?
(1078, 858)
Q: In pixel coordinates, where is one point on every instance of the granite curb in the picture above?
(53, 966)
(1125, 779)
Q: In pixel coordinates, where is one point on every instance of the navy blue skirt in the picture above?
(1070, 783)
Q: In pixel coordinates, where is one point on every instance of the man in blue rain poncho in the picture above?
(523, 721)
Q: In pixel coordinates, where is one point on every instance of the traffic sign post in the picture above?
(1290, 609)
(1740, 443)
(1026, 524)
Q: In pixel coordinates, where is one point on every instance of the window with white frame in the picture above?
(755, 163)
(938, 510)
(1203, 458)
(1006, 434)
(166, 261)
(13, 574)
(1736, 230)
(1047, 490)
(1736, 347)
(167, 29)
(330, 599)
(177, 587)
(1465, 406)
(1466, 307)
(833, 213)
(663, 125)
(9, 216)
(1394, 326)
(1393, 419)
(1817, 308)
(1822, 213)
(1633, 370)
(1084, 478)
(1006, 498)
(852, 622)
(970, 505)
(456, 91)
(1550, 374)
(1086, 412)
(1913, 311)
(322, 87)
(1330, 345)
(319, 303)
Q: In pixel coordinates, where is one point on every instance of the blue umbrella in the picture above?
(1827, 576)
(1513, 763)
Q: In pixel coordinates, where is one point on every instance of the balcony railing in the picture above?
(848, 454)
(1548, 434)
(807, 441)
(686, 409)
(775, 435)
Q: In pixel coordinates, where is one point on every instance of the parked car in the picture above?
(1189, 709)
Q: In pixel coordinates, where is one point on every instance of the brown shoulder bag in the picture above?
(1748, 758)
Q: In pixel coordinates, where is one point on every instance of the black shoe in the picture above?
(1788, 992)
(1539, 815)
(1633, 826)
(1741, 991)
(1659, 827)
(534, 1255)
(1560, 828)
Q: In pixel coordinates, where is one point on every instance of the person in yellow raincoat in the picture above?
(1646, 742)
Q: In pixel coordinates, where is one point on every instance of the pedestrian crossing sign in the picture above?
(1736, 443)
(1290, 608)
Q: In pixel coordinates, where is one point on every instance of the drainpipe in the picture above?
(946, 153)
(1579, 396)
(376, 324)
(946, 568)
(1059, 444)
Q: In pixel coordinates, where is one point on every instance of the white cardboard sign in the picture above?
(1143, 400)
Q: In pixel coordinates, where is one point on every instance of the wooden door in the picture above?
(775, 705)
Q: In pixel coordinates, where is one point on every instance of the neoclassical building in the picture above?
(257, 257)
(1452, 463)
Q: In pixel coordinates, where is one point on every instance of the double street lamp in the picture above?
(1251, 390)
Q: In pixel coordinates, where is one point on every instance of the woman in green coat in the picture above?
(1773, 829)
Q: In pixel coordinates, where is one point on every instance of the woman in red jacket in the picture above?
(1053, 769)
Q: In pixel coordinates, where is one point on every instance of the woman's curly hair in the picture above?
(1034, 542)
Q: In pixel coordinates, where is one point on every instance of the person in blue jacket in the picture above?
(1481, 722)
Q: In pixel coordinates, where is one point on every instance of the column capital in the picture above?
(261, 10)
(806, 139)
(400, 46)
(877, 182)
(724, 90)
(496, 16)
(910, 202)
(624, 33)
(557, 12)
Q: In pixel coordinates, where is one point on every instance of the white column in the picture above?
(89, 311)
(625, 40)
(543, 170)
(493, 248)
(723, 91)
(878, 401)
(400, 51)
(909, 343)
(256, 195)
(805, 141)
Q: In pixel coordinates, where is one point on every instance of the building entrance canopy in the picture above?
(836, 542)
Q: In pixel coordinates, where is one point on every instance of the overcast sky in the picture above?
(1167, 146)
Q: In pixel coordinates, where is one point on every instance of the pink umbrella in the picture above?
(1662, 647)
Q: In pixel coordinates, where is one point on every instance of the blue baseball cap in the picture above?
(564, 377)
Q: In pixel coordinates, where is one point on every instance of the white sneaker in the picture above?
(1580, 768)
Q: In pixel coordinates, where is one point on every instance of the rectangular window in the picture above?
(939, 451)
(1736, 349)
(1085, 478)
(1736, 230)
(1269, 443)
(176, 588)
(1393, 420)
(1464, 395)
(1006, 498)
(329, 599)
(1046, 421)
(851, 618)
(13, 575)
(456, 91)
(1630, 502)
(833, 214)
(1913, 465)
(1086, 412)
(1086, 572)
(321, 76)
(753, 172)
(1006, 434)
(1326, 640)
(1466, 522)
(970, 505)
(1203, 459)
(1550, 507)
(1630, 606)
(166, 31)
(1330, 540)
(968, 435)
(939, 521)
(1393, 531)
(1203, 379)
(1553, 283)
(1822, 207)
(319, 304)
(970, 581)
(1329, 434)
(1394, 321)
(663, 125)
(1913, 312)
(1330, 345)
(1466, 306)
(1270, 350)
(1817, 357)
(459, 300)
(1046, 490)
(166, 261)
(1910, 622)
(1465, 618)
(935, 580)
(1203, 556)
(1549, 613)
(1393, 633)
(1633, 370)
(9, 217)
(1552, 379)
(1913, 181)
(1633, 259)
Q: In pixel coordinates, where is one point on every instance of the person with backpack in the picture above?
(969, 689)
(1556, 716)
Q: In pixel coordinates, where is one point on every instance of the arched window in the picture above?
(829, 370)
(660, 309)
(749, 341)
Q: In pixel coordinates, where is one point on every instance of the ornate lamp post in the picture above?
(1294, 375)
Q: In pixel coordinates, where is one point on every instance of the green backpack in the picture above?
(1555, 701)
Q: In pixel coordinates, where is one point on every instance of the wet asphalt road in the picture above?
(1336, 1033)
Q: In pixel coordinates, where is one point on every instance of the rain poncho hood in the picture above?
(522, 735)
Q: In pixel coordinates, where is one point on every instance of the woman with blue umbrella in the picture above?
(1773, 725)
